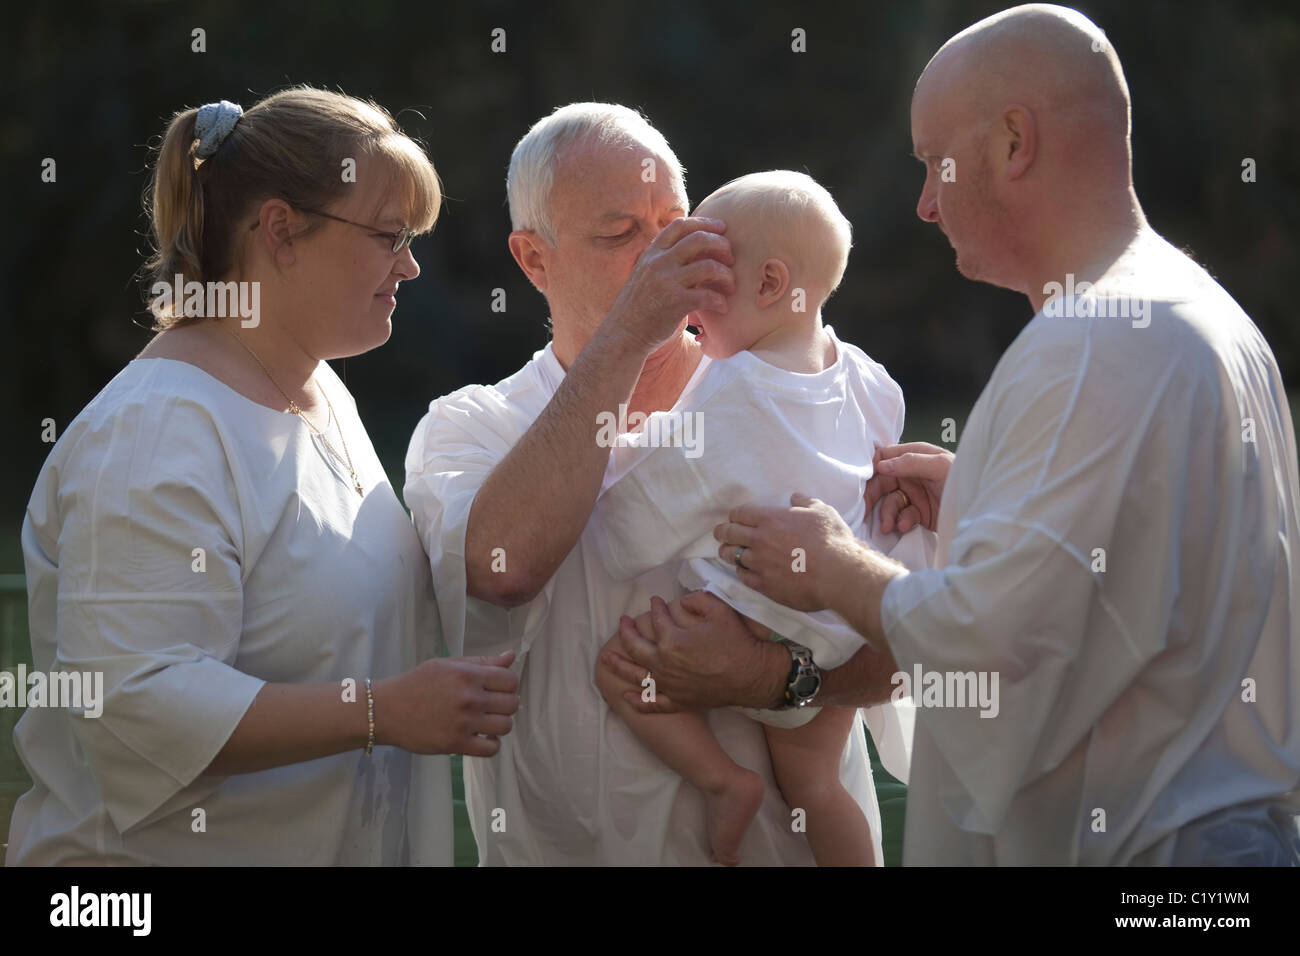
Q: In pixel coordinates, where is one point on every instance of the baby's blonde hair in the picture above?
(799, 218)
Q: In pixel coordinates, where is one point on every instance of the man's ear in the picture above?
(1019, 140)
(527, 248)
(773, 282)
(278, 223)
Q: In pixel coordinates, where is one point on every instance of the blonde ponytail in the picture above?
(174, 203)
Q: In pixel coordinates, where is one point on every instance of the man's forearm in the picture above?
(857, 589)
(861, 681)
(855, 592)
(557, 461)
(864, 679)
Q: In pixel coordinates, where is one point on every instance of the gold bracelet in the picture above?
(370, 717)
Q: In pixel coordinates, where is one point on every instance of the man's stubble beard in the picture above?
(993, 223)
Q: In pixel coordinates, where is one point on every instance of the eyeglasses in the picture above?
(401, 239)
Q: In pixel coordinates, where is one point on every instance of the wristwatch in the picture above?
(805, 678)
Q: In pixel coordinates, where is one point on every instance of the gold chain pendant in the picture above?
(295, 410)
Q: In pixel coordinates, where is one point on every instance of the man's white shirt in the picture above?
(1118, 540)
(571, 784)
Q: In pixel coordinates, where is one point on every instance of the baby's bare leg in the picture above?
(686, 744)
(806, 762)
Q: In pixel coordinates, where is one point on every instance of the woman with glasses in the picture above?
(215, 536)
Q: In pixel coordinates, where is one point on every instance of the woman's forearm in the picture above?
(290, 723)
(441, 706)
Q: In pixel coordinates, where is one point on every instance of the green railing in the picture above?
(15, 649)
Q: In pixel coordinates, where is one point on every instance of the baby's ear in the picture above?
(773, 282)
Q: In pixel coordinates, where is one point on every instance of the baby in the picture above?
(789, 407)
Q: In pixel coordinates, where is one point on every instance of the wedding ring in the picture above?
(906, 500)
(736, 559)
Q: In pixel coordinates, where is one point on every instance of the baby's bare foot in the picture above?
(731, 808)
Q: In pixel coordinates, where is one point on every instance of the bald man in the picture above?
(1119, 554)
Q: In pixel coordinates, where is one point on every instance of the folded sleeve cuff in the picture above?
(164, 714)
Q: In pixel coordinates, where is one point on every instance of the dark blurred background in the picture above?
(92, 86)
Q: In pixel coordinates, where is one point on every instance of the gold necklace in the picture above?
(294, 409)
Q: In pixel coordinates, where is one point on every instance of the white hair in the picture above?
(532, 164)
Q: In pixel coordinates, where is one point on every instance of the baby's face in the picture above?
(723, 334)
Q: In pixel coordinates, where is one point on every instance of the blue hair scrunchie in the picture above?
(213, 125)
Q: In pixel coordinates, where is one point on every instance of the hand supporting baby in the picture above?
(701, 653)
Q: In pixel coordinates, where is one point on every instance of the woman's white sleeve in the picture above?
(150, 595)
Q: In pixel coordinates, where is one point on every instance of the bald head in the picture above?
(1022, 120)
(1051, 60)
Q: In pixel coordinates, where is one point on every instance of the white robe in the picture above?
(299, 580)
(571, 784)
(750, 432)
(1169, 452)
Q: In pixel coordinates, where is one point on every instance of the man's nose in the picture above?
(643, 239)
(927, 207)
(638, 247)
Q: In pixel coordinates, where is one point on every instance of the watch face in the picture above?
(806, 686)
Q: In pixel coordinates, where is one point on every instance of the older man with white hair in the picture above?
(501, 481)
(1119, 535)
